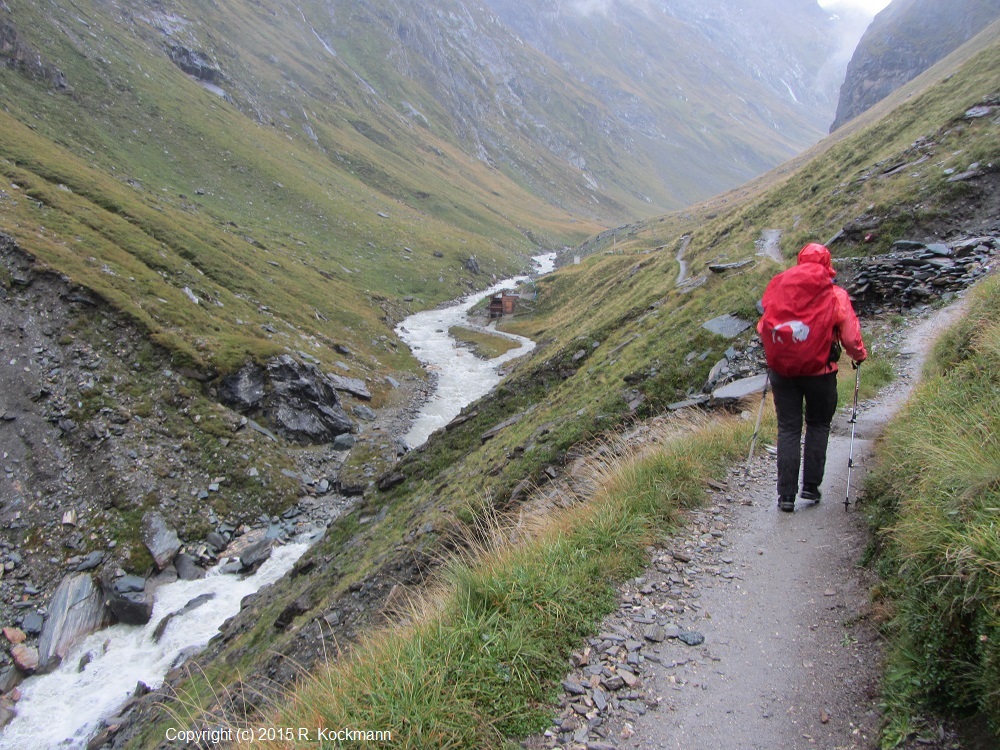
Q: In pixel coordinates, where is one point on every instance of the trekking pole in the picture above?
(854, 424)
(760, 413)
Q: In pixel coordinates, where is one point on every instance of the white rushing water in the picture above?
(462, 377)
(63, 708)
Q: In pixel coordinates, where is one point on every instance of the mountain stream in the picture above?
(64, 708)
(461, 376)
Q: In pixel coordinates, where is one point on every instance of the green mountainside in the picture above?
(340, 163)
(617, 333)
(228, 182)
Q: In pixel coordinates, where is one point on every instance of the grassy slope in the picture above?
(482, 661)
(933, 504)
(623, 312)
(145, 183)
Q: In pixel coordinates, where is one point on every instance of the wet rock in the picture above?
(352, 487)
(389, 480)
(128, 584)
(161, 541)
(498, 428)
(723, 267)
(14, 635)
(354, 386)
(727, 325)
(299, 398)
(216, 540)
(187, 569)
(198, 601)
(298, 607)
(256, 555)
(134, 608)
(32, 623)
(25, 658)
(244, 389)
(195, 63)
(76, 610)
(915, 273)
(364, 413)
(655, 634)
(128, 599)
(689, 403)
(10, 678)
(343, 442)
(691, 637)
(739, 389)
(91, 561)
(161, 626)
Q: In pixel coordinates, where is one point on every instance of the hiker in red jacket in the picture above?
(806, 320)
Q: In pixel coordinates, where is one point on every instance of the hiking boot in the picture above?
(810, 492)
(786, 503)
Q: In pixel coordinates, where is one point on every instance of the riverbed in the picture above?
(99, 674)
(64, 708)
(461, 377)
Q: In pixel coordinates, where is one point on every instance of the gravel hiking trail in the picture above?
(790, 657)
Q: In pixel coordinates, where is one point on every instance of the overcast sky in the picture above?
(869, 6)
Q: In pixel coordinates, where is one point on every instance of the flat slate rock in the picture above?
(76, 610)
(696, 401)
(741, 388)
(727, 325)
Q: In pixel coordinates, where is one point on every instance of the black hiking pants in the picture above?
(819, 392)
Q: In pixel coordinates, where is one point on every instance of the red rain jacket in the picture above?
(804, 312)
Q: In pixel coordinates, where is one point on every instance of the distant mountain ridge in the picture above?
(708, 92)
(903, 41)
(633, 106)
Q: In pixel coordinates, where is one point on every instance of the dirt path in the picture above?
(769, 245)
(682, 274)
(789, 658)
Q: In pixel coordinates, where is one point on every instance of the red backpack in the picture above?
(800, 309)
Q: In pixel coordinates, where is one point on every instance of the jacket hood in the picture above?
(816, 253)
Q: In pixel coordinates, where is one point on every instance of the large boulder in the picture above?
(243, 389)
(256, 555)
(355, 386)
(298, 398)
(187, 568)
(76, 610)
(25, 658)
(129, 599)
(161, 541)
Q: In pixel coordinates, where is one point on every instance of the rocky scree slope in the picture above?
(121, 471)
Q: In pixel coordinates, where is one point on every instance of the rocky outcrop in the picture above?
(297, 398)
(902, 42)
(17, 54)
(195, 64)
